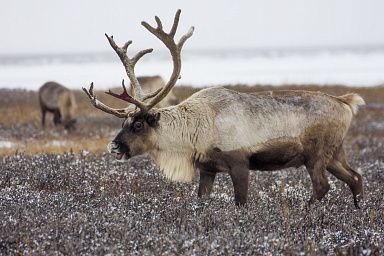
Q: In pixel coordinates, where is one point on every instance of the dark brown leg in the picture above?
(357, 188)
(56, 117)
(320, 183)
(206, 182)
(352, 179)
(240, 179)
(341, 170)
(43, 113)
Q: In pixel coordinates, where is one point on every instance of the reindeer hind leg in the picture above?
(320, 185)
(341, 170)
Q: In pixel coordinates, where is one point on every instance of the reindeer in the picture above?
(60, 101)
(221, 130)
(153, 83)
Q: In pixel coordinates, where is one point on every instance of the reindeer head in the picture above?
(138, 133)
(136, 137)
(70, 125)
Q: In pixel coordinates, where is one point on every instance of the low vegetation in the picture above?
(60, 194)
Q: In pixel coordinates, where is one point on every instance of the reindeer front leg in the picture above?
(240, 178)
(206, 182)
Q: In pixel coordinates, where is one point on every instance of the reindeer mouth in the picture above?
(119, 155)
(120, 151)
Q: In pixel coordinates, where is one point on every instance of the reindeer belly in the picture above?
(275, 155)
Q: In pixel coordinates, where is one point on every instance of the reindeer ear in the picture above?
(153, 119)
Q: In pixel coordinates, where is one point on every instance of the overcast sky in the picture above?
(48, 26)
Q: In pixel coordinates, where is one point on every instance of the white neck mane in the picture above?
(179, 135)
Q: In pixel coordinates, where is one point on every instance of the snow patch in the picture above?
(57, 143)
(6, 144)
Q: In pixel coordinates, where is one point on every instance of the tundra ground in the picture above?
(83, 202)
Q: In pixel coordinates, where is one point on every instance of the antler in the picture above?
(123, 112)
(175, 49)
(138, 97)
(129, 64)
(126, 97)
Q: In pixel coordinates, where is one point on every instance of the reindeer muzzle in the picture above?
(120, 150)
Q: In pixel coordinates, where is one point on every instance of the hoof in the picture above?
(356, 199)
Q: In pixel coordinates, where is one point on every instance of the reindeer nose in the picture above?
(112, 146)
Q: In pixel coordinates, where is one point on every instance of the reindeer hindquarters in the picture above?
(206, 182)
(322, 142)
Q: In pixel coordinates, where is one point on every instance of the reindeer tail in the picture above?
(353, 100)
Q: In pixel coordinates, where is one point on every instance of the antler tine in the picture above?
(175, 24)
(121, 113)
(125, 46)
(129, 64)
(140, 54)
(126, 97)
(185, 37)
(159, 24)
(175, 50)
(152, 94)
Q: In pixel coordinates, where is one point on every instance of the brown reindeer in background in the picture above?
(220, 130)
(153, 83)
(60, 101)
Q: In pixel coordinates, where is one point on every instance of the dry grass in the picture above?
(20, 125)
(18, 106)
(21, 106)
(55, 146)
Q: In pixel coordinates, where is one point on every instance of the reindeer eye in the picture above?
(137, 126)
